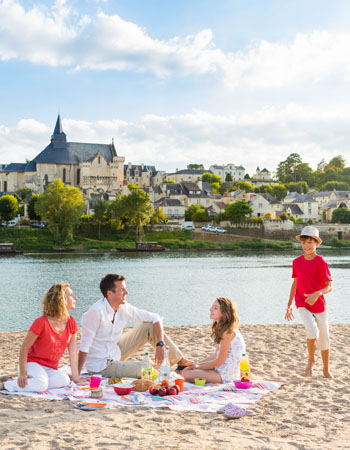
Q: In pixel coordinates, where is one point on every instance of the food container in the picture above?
(122, 389)
(96, 393)
(200, 381)
(243, 384)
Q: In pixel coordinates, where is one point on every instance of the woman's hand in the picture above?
(80, 381)
(22, 381)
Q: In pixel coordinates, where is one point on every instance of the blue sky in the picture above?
(175, 82)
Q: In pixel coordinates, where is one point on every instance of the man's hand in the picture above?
(289, 314)
(159, 355)
(311, 298)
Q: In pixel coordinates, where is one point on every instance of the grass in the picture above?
(32, 239)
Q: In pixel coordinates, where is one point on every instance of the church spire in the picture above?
(58, 139)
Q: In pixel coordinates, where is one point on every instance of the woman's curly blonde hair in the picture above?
(54, 301)
(229, 319)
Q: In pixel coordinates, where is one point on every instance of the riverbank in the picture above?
(306, 413)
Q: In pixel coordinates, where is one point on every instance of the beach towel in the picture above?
(209, 398)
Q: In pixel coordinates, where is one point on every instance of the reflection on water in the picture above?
(180, 286)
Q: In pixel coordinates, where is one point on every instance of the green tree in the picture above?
(192, 210)
(102, 214)
(24, 192)
(132, 187)
(279, 191)
(195, 167)
(246, 176)
(211, 178)
(337, 185)
(243, 186)
(228, 177)
(132, 210)
(31, 208)
(236, 212)
(158, 217)
(338, 162)
(287, 169)
(200, 216)
(8, 207)
(215, 187)
(301, 187)
(62, 205)
(168, 181)
(341, 215)
(263, 189)
(284, 216)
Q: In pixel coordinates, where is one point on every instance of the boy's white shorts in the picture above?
(316, 326)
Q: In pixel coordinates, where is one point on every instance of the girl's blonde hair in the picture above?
(54, 301)
(229, 319)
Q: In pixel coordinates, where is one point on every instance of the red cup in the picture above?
(180, 382)
(95, 381)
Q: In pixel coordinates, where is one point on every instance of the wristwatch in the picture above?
(160, 344)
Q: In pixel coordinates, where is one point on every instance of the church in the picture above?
(90, 167)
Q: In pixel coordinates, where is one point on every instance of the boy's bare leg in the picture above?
(311, 348)
(325, 360)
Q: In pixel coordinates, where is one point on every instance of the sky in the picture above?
(178, 82)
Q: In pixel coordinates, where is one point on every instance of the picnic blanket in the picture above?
(208, 398)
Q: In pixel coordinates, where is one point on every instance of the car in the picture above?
(208, 228)
(36, 224)
(10, 223)
(220, 230)
(187, 226)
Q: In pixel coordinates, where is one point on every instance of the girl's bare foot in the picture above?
(327, 374)
(308, 370)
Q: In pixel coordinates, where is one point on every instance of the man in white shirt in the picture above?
(104, 348)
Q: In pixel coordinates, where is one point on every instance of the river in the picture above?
(180, 286)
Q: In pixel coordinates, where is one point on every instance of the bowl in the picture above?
(200, 381)
(122, 389)
(243, 384)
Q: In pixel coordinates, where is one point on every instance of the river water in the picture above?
(180, 286)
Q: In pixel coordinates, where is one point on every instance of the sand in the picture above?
(306, 413)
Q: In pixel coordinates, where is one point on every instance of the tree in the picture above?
(158, 217)
(211, 178)
(62, 205)
(200, 216)
(168, 181)
(288, 167)
(338, 162)
(246, 176)
(192, 210)
(337, 185)
(102, 213)
(215, 187)
(243, 186)
(8, 207)
(134, 209)
(301, 187)
(132, 187)
(31, 208)
(341, 215)
(195, 167)
(236, 212)
(24, 192)
(228, 177)
(279, 191)
(284, 216)
(263, 189)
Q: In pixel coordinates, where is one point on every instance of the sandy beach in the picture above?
(305, 413)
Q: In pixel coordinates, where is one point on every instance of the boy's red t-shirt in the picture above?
(311, 275)
(50, 346)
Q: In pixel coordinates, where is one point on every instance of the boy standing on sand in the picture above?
(312, 280)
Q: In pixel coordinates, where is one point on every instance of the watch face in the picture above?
(160, 344)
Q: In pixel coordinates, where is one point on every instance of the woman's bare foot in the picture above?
(327, 374)
(2, 386)
(308, 370)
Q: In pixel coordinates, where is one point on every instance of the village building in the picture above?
(237, 172)
(90, 167)
(143, 175)
(189, 175)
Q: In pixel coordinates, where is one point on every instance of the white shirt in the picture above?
(99, 337)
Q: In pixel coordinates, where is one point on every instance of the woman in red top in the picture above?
(45, 343)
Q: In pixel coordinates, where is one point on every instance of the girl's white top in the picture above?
(229, 370)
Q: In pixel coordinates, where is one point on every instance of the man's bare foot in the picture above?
(2, 387)
(327, 374)
(308, 370)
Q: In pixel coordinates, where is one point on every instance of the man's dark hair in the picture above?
(107, 282)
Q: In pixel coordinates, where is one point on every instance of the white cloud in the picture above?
(262, 138)
(61, 37)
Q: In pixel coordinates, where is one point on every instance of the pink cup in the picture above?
(95, 381)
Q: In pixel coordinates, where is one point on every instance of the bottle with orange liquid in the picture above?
(244, 367)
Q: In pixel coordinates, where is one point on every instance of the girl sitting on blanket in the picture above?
(223, 365)
(45, 343)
